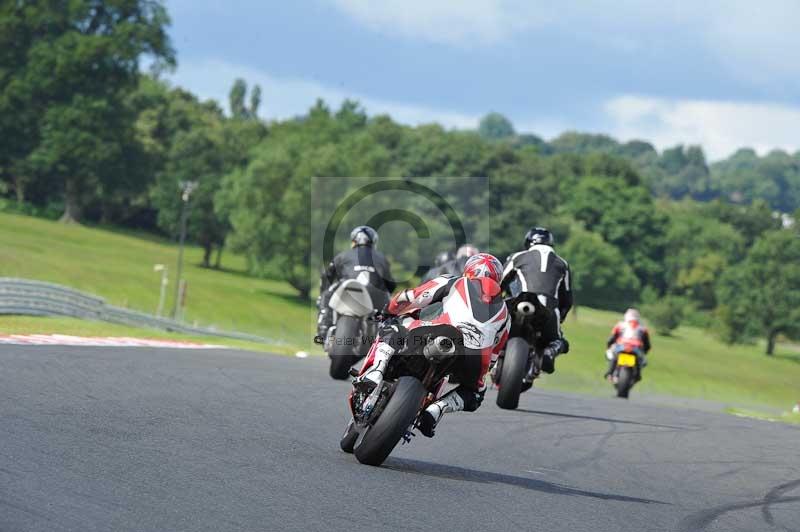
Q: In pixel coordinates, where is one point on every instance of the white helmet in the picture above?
(632, 315)
(467, 250)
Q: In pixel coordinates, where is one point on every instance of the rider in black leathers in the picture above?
(539, 270)
(363, 262)
(452, 266)
(442, 258)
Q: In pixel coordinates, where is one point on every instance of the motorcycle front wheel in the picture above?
(395, 419)
(349, 437)
(624, 382)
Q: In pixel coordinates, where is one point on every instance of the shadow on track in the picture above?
(486, 477)
(606, 419)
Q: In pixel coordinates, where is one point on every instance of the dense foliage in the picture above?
(86, 133)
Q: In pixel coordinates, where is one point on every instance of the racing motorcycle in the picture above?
(521, 362)
(354, 306)
(417, 374)
(627, 372)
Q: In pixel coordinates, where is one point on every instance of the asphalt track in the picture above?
(119, 439)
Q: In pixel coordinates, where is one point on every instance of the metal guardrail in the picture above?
(38, 298)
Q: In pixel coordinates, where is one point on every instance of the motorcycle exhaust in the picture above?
(526, 308)
(441, 347)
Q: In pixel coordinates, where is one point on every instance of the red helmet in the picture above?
(483, 265)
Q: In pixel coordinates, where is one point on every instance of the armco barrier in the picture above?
(37, 298)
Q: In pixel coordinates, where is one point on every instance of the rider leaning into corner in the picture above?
(474, 305)
(539, 270)
(628, 336)
(361, 262)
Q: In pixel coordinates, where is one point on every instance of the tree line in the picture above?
(89, 136)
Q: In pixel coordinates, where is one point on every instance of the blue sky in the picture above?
(722, 73)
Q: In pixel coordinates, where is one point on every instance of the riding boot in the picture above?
(611, 364)
(553, 349)
(324, 322)
(450, 402)
(374, 374)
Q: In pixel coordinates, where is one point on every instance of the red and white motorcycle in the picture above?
(417, 374)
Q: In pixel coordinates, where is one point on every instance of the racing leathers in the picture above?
(540, 271)
(627, 336)
(476, 308)
(363, 263)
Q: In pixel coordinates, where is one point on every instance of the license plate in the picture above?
(626, 359)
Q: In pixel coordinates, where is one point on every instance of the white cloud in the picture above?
(456, 22)
(283, 98)
(720, 127)
(755, 40)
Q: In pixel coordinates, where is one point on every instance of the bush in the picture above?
(51, 211)
(666, 313)
(601, 275)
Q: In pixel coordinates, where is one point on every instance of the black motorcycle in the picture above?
(354, 306)
(521, 362)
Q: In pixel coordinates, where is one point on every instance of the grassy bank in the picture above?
(119, 267)
(691, 363)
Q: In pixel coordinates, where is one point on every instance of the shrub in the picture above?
(665, 314)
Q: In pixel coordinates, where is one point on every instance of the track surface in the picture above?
(118, 439)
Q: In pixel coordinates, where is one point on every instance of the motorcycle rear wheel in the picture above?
(346, 339)
(395, 419)
(513, 371)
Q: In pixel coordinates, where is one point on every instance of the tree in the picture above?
(237, 99)
(698, 249)
(761, 295)
(750, 221)
(601, 276)
(604, 194)
(495, 126)
(665, 313)
(583, 143)
(269, 202)
(70, 69)
(195, 155)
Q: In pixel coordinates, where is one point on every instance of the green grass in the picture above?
(119, 266)
(690, 363)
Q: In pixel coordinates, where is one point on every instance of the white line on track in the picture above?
(98, 341)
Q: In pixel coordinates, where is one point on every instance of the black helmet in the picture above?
(443, 257)
(364, 235)
(539, 235)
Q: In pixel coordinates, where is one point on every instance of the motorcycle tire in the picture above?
(513, 371)
(395, 419)
(346, 339)
(624, 382)
(349, 437)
